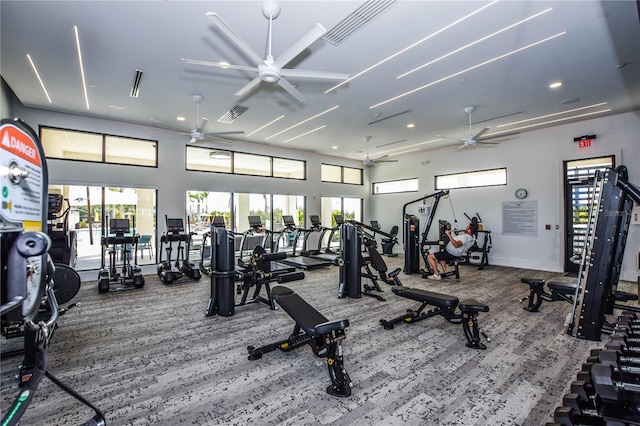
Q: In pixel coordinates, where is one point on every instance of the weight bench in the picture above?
(312, 328)
(444, 305)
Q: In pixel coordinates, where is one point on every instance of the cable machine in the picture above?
(414, 245)
(608, 225)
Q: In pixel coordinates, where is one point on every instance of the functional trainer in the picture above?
(445, 305)
(312, 328)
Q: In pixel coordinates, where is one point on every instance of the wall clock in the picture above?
(521, 193)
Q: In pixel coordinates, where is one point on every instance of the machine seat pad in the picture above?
(533, 282)
(434, 299)
(472, 305)
(307, 317)
(562, 287)
(623, 296)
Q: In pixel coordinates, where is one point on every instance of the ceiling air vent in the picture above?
(232, 114)
(356, 20)
(135, 88)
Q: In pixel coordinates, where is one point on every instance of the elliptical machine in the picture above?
(205, 248)
(115, 243)
(171, 270)
(64, 242)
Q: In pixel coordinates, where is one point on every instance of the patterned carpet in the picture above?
(150, 356)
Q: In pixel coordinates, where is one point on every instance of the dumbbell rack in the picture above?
(607, 389)
(608, 226)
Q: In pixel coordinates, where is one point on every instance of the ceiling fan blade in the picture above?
(504, 135)
(488, 143)
(247, 88)
(213, 134)
(218, 64)
(380, 158)
(385, 161)
(326, 75)
(480, 133)
(234, 37)
(303, 42)
(292, 90)
(193, 140)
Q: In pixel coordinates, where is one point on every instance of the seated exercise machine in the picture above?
(314, 329)
(115, 243)
(354, 266)
(224, 274)
(388, 243)
(173, 269)
(445, 305)
(28, 272)
(64, 241)
(205, 248)
(478, 253)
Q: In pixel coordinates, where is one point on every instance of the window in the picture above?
(390, 187)
(340, 174)
(95, 147)
(224, 161)
(491, 177)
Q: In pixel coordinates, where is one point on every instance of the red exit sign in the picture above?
(584, 144)
(584, 141)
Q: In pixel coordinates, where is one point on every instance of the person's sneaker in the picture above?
(433, 277)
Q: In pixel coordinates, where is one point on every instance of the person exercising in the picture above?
(456, 247)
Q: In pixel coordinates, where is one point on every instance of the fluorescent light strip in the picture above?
(551, 115)
(552, 121)
(473, 43)
(302, 122)
(411, 46)
(84, 83)
(268, 124)
(408, 146)
(466, 70)
(39, 79)
(305, 133)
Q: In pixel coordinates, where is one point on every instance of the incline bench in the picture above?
(444, 305)
(314, 329)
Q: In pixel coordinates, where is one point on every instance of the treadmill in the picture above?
(266, 238)
(294, 259)
(327, 254)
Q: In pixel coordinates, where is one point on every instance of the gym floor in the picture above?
(150, 356)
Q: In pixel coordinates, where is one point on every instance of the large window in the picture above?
(491, 177)
(404, 185)
(91, 207)
(340, 174)
(94, 147)
(224, 161)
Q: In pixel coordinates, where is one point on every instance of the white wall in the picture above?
(534, 161)
(171, 179)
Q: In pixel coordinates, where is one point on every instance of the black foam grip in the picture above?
(293, 276)
(269, 257)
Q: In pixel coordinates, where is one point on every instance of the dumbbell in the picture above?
(615, 357)
(625, 340)
(568, 416)
(610, 388)
(625, 350)
(584, 393)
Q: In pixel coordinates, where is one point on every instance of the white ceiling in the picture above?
(597, 60)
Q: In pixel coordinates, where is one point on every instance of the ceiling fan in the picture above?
(198, 134)
(373, 161)
(472, 140)
(271, 70)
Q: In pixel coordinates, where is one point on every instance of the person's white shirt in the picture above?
(466, 240)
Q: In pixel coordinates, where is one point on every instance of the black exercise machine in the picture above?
(205, 248)
(28, 272)
(445, 305)
(259, 236)
(116, 243)
(478, 254)
(64, 241)
(173, 269)
(354, 266)
(297, 260)
(313, 329)
(327, 254)
(388, 243)
(257, 274)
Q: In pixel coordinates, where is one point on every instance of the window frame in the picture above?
(342, 179)
(439, 188)
(373, 186)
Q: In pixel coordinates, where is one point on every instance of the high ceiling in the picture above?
(479, 53)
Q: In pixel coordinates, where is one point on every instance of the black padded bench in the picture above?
(317, 331)
(445, 305)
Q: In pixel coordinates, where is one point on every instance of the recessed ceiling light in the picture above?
(224, 64)
(181, 118)
(555, 85)
(116, 106)
(411, 125)
(334, 147)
